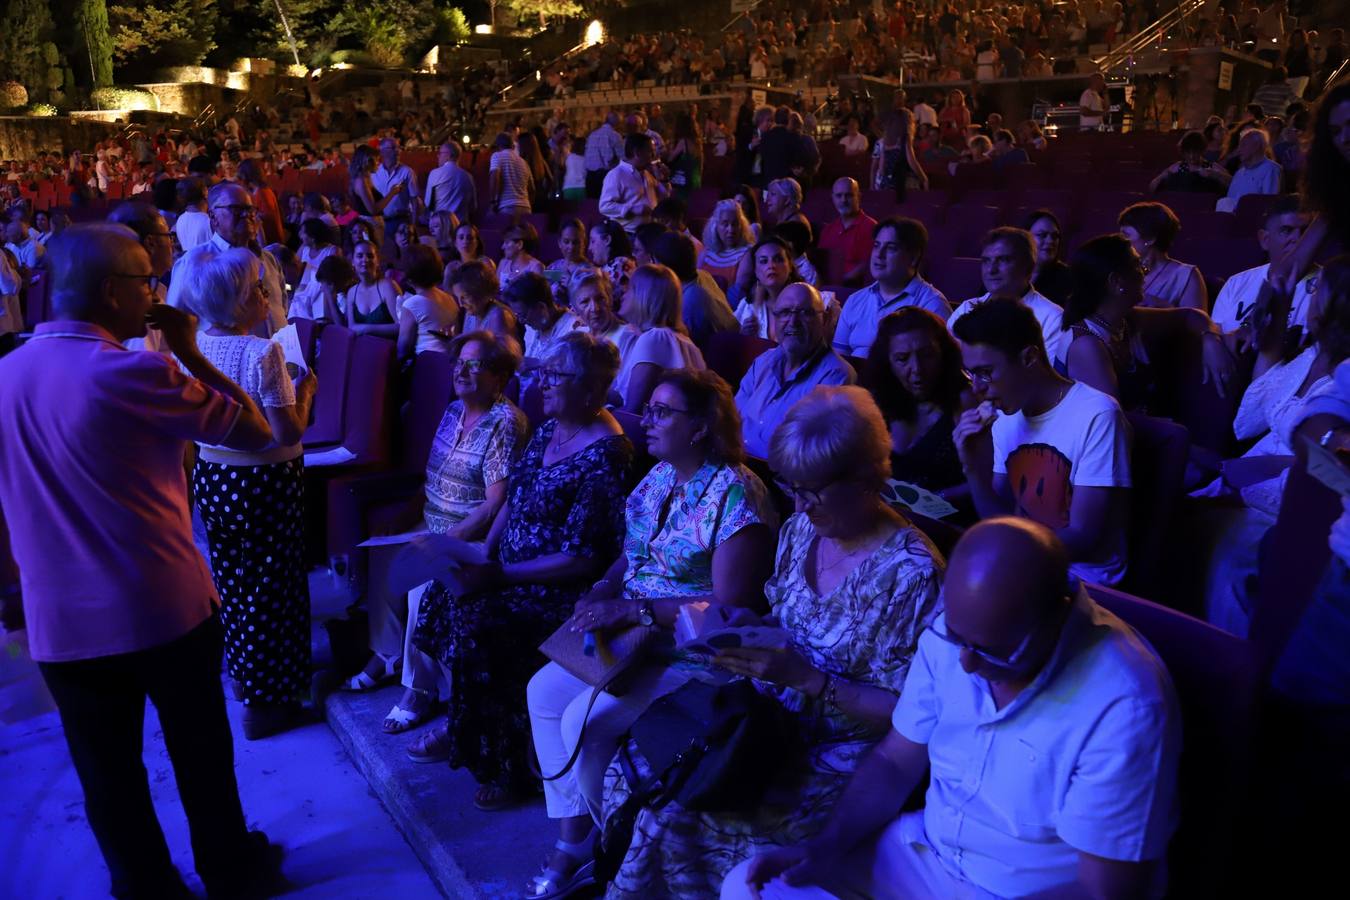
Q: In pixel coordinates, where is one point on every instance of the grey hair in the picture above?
(594, 357)
(830, 432)
(80, 259)
(787, 188)
(214, 284)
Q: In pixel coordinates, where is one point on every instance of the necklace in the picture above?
(559, 444)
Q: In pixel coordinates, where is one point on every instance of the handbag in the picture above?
(712, 748)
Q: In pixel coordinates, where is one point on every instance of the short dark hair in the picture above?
(619, 244)
(165, 193)
(1019, 239)
(139, 217)
(635, 143)
(1004, 324)
(797, 233)
(318, 231)
(647, 234)
(1154, 221)
(478, 278)
(422, 267)
(1282, 205)
(1031, 218)
(502, 357)
(526, 233)
(676, 252)
(709, 397)
(911, 234)
(1004, 135)
(528, 289)
(337, 271)
(191, 190)
(1192, 142)
(1092, 265)
(672, 209)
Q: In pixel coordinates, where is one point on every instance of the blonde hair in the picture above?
(656, 295)
(830, 432)
(744, 237)
(215, 284)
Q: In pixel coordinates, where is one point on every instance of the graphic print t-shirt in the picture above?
(1084, 441)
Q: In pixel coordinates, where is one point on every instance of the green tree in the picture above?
(25, 26)
(93, 45)
(163, 32)
(525, 10)
(389, 29)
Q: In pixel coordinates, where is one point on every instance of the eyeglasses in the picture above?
(659, 413)
(243, 210)
(1010, 661)
(787, 315)
(798, 494)
(555, 377)
(472, 366)
(151, 281)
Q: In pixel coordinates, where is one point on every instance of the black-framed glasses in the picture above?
(659, 413)
(245, 210)
(472, 366)
(796, 493)
(151, 281)
(555, 377)
(787, 315)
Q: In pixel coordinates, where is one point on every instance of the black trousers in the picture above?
(102, 706)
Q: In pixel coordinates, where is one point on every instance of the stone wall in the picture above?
(23, 137)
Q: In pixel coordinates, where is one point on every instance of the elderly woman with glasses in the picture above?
(471, 455)
(699, 528)
(561, 524)
(252, 503)
(854, 585)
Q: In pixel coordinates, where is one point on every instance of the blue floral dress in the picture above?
(489, 641)
(865, 631)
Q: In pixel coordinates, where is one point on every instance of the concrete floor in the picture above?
(300, 787)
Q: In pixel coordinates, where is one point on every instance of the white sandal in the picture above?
(361, 682)
(554, 885)
(400, 720)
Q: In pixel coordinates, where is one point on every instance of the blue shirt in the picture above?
(857, 327)
(768, 391)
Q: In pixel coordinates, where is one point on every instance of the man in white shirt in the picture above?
(1092, 104)
(19, 240)
(1052, 733)
(1257, 172)
(194, 223)
(449, 187)
(780, 377)
(1278, 236)
(1058, 454)
(389, 177)
(924, 114)
(898, 246)
(1007, 262)
(234, 223)
(11, 313)
(631, 191)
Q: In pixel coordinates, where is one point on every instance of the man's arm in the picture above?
(1091, 517)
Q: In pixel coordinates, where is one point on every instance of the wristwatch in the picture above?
(646, 614)
(1325, 440)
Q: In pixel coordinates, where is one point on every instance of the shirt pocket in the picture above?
(1023, 777)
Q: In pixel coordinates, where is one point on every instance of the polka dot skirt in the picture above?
(254, 517)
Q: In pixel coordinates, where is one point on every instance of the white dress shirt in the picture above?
(1047, 312)
(629, 196)
(387, 180)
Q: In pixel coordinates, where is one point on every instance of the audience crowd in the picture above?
(913, 482)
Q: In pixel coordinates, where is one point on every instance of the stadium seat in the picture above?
(730, 354)
(957, 277)
(1157, 479)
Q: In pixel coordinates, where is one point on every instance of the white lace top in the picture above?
(259, 367)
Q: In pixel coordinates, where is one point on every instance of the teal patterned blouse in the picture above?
(674, 558)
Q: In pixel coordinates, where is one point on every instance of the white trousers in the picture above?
(393, 619)
(899, 864)
(557, 702)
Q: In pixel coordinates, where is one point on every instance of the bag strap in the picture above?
(611, 675)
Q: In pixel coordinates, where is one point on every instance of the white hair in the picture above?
(830, 433)
(214, 284)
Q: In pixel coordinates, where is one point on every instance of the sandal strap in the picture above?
(402, 716)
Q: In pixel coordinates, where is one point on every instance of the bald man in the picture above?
(1053, 735)
(779, 378)
(849, 236)
(119, 603)
(1257, 173)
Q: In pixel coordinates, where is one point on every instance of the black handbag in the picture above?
(712, 748)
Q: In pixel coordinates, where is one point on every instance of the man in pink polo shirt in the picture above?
(849, 236)
(118, 601)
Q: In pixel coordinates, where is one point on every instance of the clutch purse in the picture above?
(614, 655)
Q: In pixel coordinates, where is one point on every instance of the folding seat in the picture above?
(1251, 212)
(631, 423)
(968, 224)
(1157, 479)
(332, 366)
(730, 354)
(37, 300)
(957, 277)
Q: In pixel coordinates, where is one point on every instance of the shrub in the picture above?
(123, 98)
(41, 109)
(12, 95)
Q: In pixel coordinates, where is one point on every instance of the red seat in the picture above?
(1157, 477)
(631, 423)
(332, 365)
(1220, 257)
(968, 224)
(1250, 213)
(37, 300)
(368, 418)
(730, 354)
(957, 277)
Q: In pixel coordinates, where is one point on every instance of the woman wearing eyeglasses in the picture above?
(471, 454)
(562, 523)
(253, 503)
(699, 527)
(854, 585)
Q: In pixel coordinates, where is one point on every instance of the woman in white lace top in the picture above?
(252, 503)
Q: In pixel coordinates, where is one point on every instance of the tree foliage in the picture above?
(389, 29)
(163, 32)
(525, 10)
(25, 28)
(93, 43)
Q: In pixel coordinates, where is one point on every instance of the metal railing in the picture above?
(1175, 18)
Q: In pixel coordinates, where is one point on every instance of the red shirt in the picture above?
(855, 242)
(92, 484)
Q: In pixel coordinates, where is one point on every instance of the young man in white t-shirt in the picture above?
(1041, 446)
(1278, 235)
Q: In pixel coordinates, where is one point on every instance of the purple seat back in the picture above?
(368, 421)
(1157, 476)
(430, 393)
(958, 277)
(332, 366)
(730, 354)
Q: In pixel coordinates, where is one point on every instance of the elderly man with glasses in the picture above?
(234, 223)
(1053, 735)
(779, 378)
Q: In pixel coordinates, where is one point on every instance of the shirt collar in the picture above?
(802, 370)
(70, 328)
(908, 290)
(1082, 613)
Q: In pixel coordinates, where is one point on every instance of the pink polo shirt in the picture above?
(92, 486)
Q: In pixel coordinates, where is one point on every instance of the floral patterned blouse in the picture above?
(866, 630)
(462, 466)
(674, 558)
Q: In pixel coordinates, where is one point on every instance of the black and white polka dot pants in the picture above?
(254, 517)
